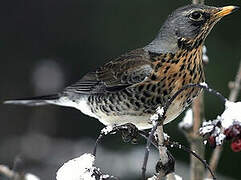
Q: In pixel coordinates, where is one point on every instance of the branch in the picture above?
(235, 89)
(197, 170)
(166, 162)
(161, 116)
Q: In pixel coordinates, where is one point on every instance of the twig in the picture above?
(235, 90)
(197, 170)
(196, 155)
(10, 174)
(164, 157)
(162, 117)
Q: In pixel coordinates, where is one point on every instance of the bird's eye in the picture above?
(196, 15)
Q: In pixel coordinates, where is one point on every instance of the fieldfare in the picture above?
(129, 88)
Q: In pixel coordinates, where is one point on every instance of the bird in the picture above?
(129, 88)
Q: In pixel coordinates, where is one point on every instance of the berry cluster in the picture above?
(214, 135)
(233, 133)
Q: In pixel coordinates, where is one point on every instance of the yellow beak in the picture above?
(226, 10)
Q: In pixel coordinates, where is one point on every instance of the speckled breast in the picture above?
(171, 72)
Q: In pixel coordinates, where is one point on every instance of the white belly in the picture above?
(141, 122)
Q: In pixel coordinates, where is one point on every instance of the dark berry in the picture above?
(212, 141)
(236, 145)
(233, 131)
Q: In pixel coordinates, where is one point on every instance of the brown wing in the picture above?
(128, 69)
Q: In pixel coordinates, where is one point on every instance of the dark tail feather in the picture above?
(34, 101)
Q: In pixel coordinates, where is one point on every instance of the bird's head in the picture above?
(189, 24)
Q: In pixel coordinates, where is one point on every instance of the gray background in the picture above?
(47, 45)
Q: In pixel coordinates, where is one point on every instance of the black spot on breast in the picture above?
(163, 60)
(158, 100)
(137, 104)
(179, 55)
(148, 86)
(163, 78)
(174, 75)
(159, 90)
(159, 64)
(89, 98)
(137, 96)
(171, 55)
(195, 76)
(111, 107)
(128, 105)
(165, 92)
(146, 94)
(141, 87)
(153, 88)
(171, 82)
(143, 100)
(166, 69)
(191, 72)
(103, 108)
(153, 77)
(188, 66)
(175, 61)
(111, 99)
(117, 108)
(132, 101)
(182, 67)
(119, 97)
(154, 55)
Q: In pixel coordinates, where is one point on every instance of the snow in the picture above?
(204, 84)
(219, 139)
(166, 136)
(152, 178)
(209, 126)
(80, 168)
(29, 176)
(187, 121)
(107, 130)
(205, 57)
(173, 176)
(178, 177)
(231, 115)
(159, 113)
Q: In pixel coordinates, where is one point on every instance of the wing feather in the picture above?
(127, 70)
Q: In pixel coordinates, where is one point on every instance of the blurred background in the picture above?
(47, 45)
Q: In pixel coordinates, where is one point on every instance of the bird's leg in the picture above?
(129, 132)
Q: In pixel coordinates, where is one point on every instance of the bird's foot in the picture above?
(129, 132)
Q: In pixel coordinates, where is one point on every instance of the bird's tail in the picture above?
(35, 101)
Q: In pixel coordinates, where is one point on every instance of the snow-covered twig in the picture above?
(10, 174)
(81, 168)
(235, 90)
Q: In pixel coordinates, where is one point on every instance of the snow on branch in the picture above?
(187, 121)
(227, 126)
(5, 172)
(81, 168)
